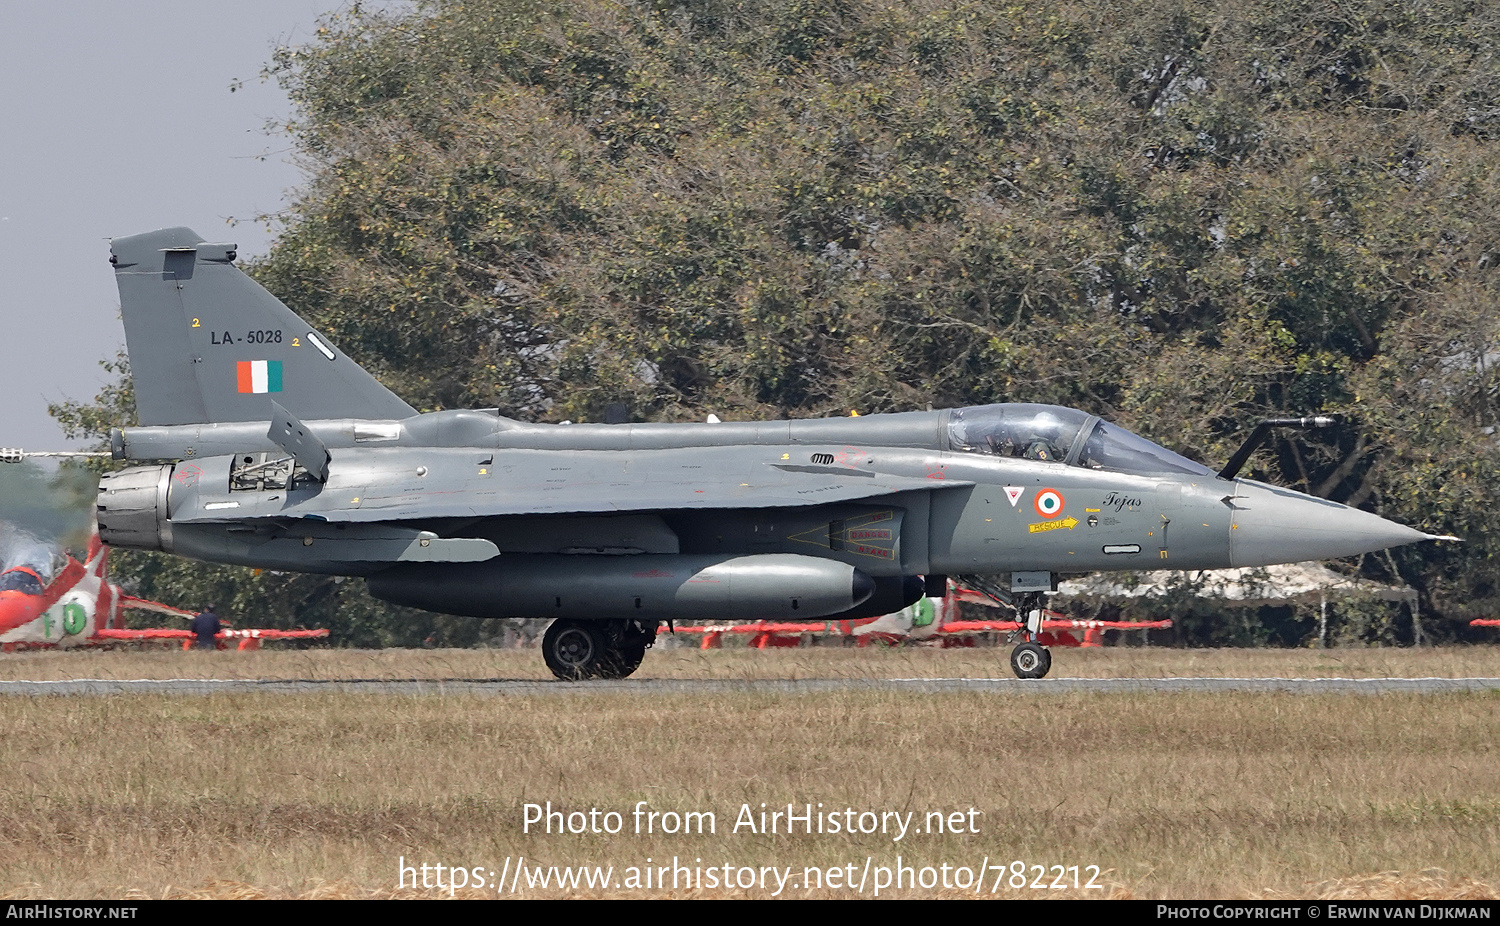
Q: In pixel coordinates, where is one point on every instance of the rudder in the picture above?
(209, 344)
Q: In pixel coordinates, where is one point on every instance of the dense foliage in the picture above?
(1182, 216)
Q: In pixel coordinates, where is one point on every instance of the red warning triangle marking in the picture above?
(1014, 494)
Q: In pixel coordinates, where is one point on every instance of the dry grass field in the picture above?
(738, 661)
(1202, 795)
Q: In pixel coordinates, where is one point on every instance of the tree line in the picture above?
(1181, 216)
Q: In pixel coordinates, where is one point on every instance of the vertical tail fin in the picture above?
(209, 344)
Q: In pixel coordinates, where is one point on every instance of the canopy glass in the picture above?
(1055, 434)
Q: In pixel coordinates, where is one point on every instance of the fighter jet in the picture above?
(49, 598)
(262, 444)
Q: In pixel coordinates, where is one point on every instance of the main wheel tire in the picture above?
(622, 661)
(633, 635)
(574, 650)
(1030, 660)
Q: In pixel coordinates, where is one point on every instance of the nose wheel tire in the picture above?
(1030, 660)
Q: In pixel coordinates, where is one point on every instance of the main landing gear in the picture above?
(1030, 659)
(606, 649)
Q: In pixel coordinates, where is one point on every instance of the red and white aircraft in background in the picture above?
(937, 621)
(50, 599)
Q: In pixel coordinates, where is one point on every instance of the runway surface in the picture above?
(503, 687)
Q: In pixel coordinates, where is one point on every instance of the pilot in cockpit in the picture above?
(1000, 443)
(1041, 449)
(1027, 432)
(1042, 443)
(1050, 433)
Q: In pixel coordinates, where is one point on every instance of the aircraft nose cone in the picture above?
(1272, 525)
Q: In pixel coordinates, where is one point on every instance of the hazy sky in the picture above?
(116, 118)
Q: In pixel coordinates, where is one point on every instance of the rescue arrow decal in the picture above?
(1069, 523)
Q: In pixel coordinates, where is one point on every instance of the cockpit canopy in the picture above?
(21, 580)
(1061, 435)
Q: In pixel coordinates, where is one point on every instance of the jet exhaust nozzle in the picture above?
(132, 508)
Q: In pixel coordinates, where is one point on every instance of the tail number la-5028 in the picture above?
(258, 336)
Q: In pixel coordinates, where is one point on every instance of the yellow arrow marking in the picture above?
(1067, 523)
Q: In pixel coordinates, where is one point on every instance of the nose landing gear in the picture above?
(1030, 659)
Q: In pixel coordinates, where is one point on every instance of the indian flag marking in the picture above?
(1049, 503)
(259, 375)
